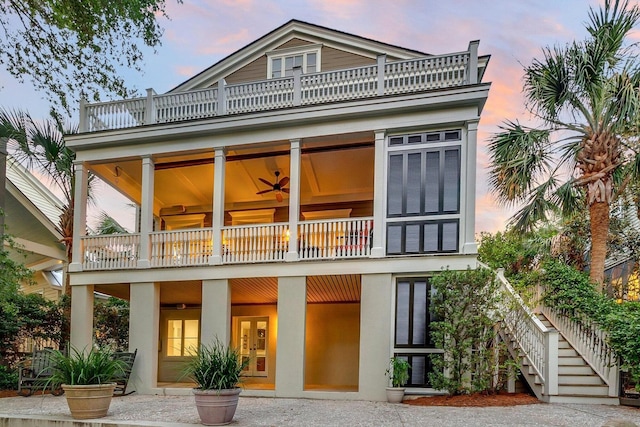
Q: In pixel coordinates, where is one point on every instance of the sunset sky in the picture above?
(200, 33)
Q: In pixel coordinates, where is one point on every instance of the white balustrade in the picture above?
(425, 73)
(115, 115)
(190, 105)
(259, 96)
(181, 247)
(255, 243)
(339, 85)
(396, 77)
(341, 238)
(536, 342)
(110, 252)
(591, 342)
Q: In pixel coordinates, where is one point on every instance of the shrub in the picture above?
(8, 378)
(398, 371)
(97, 366)
(216, 367)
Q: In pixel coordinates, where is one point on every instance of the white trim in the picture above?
(282, 54)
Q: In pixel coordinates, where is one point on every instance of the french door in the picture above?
(253, 339)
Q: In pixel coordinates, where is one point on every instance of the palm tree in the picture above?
(586, 95)
(41, 147)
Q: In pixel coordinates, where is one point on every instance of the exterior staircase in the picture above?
(562, 360)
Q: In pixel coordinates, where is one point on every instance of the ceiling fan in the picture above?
(276, 186)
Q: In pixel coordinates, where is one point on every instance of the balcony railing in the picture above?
(384, 78)
(329, 239)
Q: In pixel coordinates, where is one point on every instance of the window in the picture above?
(182, 337)
(412, 340)
(419, 237)
(425, 182)
(282, 62)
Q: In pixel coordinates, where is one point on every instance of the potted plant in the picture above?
(398, 373)
(216, 369)
(88, 380)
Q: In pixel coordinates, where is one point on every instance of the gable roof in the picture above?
(292, 29)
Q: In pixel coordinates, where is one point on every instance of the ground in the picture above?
(478, 399)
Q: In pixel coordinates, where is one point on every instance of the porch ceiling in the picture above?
(333, 169)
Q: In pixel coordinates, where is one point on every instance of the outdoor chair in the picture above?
(34, 373)
(121, 382)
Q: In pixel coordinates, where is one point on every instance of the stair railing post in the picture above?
(551, 362)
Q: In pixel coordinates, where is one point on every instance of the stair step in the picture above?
(575, 370)
(571, 361)
(593, 400)
(567, 352)
(562, 344)
(584, 390)
(579, 380)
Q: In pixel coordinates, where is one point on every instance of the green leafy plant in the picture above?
(216, 367)
(398, 371)
(97, 366)
(8, 378)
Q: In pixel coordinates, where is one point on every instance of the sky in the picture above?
(200, 33)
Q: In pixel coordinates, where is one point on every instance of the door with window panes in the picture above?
(252, 340)
(179, 339)
(412, 340)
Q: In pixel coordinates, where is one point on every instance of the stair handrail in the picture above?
(589, 341)
(538, 343)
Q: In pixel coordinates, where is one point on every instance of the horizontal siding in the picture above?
(256, 70)
(334, 59)
(293, 43)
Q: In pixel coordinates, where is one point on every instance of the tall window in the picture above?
(182, 337)
(412, 339)
(281, 64)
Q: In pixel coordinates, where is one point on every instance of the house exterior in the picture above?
(294, 199)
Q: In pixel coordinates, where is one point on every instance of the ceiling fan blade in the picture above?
(265, 191)
(284, 181)
(266, 182)
(286, 190)
(279, 196)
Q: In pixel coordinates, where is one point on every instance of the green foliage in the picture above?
(398, 371)
(77, 47)
(463, 303)
(85, 368)
(111, 324)
(8, 378)
(216, 367)
(517, 253)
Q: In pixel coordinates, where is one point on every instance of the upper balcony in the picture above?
(380, 79)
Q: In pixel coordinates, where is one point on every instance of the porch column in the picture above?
(379, 204)
(294, 200)
(217, 219)
(216, 311)
(292, 311)
(469, 220)
(146, 212)
(144, 324)
(376, 314)
(82, 317)
(79, 214)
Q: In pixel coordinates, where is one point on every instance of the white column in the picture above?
(379, 202)
(290, 354)
(376, 314)
(468, 226)
(473, 61)
(144, 323)
(79, 214)
(150, 109)
(217, 220)
(216, 311)
(146, 212)
(82, 317)
(294, 200)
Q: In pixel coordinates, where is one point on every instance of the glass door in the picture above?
(253, 341)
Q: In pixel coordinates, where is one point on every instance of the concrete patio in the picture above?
(138, 410)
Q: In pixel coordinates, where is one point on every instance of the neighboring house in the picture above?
(295, 198)
(623, 272)
(32, 214)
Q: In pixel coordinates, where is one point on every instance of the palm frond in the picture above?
(538, 208)
(108, 225)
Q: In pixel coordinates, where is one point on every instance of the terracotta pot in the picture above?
(88, 401)
(395, 394)
(216, 407)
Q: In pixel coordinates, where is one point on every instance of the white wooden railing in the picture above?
(181, 247)
(591, 342)
(384, 78)
(255, 243)
(348, 238)
(110, 252)
(536, 342)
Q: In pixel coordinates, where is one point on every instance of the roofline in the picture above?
(280, 28)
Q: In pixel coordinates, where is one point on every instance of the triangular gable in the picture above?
(294, 33)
